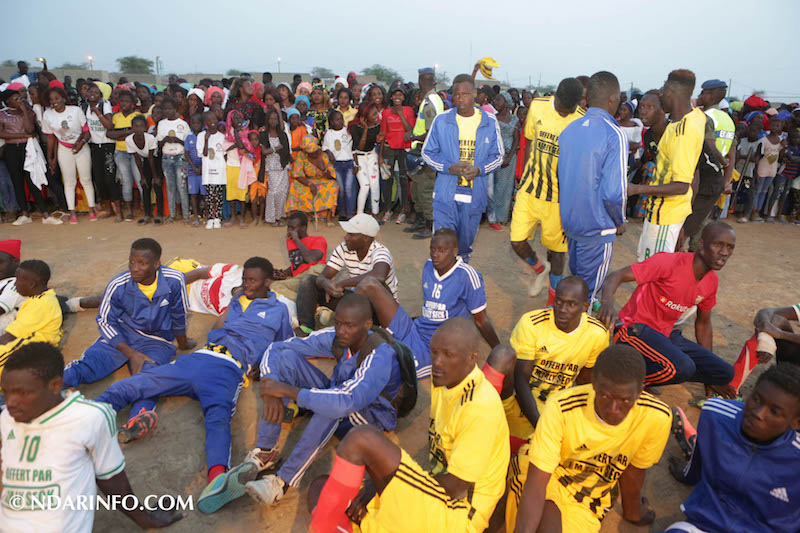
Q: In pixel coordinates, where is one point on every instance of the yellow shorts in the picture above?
(530, 211)
(414, 501)
(232, 191)
(574, 516)
(518, 424)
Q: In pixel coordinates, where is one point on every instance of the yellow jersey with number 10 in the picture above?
(543, 125)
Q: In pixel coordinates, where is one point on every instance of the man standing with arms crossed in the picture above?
(422, 182)
(537, 198)
(592, 177)
(670, 195)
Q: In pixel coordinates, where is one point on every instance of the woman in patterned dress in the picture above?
(312, 185)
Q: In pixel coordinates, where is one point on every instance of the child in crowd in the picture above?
(218, 112)
(233, 192)
(155, 116)
(171, 133)
(771, 145)
(210, 144)
(258, 188)
(784, 178)
(355, 92)
(143, 147)
(277, 160)
(339, 145)
(297, 130)
(302, 103)
(195, 163)
(749, 152)
(365, 130)
(344, 105)
(124, 160)
(396, 126)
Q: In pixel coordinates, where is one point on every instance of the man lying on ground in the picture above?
(450, 288)
(142, 312)
(744, 464)
(55, 443)
(588, 438)
(215, 374)
(361, 389)
(468, 443)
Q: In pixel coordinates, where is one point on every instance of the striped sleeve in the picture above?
(336, 260)
(109, 312)
(497, 153)
(796, 308)
(382, 255)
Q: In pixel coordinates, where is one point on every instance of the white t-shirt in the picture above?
(96, 128)
(67, 126)
(214, 171)
(61, 452)
(10, 301)
(340, 143)
(172, 128)
(754, 148)
(377, 253)
(149, 144)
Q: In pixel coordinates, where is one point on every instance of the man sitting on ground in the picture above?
(10, 299)
(360, 391)
(667, 285)
(215, 374)
(142, 311)
(774, 336)
(363, 257)
(555, 349)
(39, 317)
(587, 438)
(744, 464)
(450, 288)
(468, 443)
(62, 443)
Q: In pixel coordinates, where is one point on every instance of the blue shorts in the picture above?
(196, 184)
(405, 330)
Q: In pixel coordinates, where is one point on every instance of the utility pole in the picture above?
(539, 83)
(730, 82)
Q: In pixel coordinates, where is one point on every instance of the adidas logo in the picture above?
(780, 493)
(11, 435)
(262, 314)
(583, 448)
(543, 349)
(539, 122)
(164, 302)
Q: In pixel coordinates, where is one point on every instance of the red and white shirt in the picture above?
(666, 289)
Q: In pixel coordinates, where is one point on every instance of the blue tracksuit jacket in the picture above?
(592, 177)
(125, 310)
(741, 486)
(441, 150)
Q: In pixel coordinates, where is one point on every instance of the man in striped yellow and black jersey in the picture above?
(589, 438)
(468, 450)
(537, 198)
(670, 193)
(555, 348)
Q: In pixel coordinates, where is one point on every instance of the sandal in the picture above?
(157, 221)
(145, 220)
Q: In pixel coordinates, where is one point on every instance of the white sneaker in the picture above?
(22, 219)
(540, 281)
(52, 221)
(210, 223)
(217, 223)
(263, 459)
(268, 490)
(325, 316)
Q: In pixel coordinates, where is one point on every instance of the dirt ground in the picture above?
(83, 259)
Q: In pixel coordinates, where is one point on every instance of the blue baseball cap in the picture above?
(714, 84)
(426, 70)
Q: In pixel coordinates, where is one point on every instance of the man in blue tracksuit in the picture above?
(355, 394)
(592, 180)
(214, 375)
(745, 461)
(463, 146)
(143, 310)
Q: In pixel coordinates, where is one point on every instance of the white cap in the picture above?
(364, 224)
(724, 104)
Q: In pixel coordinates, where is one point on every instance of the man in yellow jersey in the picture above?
(670, 194)
(588, 438)
(555, 348)
(468, 444)
(537, 198)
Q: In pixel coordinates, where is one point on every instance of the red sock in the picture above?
(214, 471)
(747, 361)
(340, 489)
(538, 267)
(516, 444)
(494, 377)
(551, 296)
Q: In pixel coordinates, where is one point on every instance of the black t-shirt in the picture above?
(709, 167)
(356, 131)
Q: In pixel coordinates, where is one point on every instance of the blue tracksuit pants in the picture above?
(462, 221)
(293, 369)
(674, 359)
(590, 261)
(213, 380)
(101, 360)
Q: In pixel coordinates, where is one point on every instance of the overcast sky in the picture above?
(640, 41)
